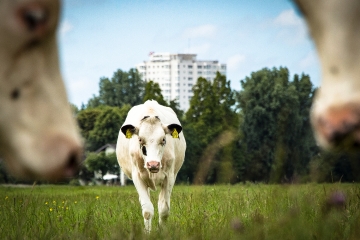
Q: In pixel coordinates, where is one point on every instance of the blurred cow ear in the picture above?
(128, 130)
(174, 130)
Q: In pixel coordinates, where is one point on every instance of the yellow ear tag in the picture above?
(175, 134)
(128, 134)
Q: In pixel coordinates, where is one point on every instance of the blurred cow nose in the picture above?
(73, 163)
(340, 126)
(64, 157)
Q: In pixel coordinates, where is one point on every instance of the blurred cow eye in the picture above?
(163, 141)
(143, 150)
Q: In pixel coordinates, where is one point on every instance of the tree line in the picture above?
(261, 133)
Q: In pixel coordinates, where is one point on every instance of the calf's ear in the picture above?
(174, 130)
(128, 130)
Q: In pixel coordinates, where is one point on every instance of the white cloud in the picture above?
(287, 18)
(292, 27)
(203, 31)
(234, 61)
(65, 27)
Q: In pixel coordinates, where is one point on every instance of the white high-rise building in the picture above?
(177, 74)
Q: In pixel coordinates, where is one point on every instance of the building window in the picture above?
(190, 91)
(190, 72)
(190, 85)
(199, 67)
(199, 72)
(190, 78)
(190, 66)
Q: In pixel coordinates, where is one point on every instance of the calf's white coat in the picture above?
(150, 121)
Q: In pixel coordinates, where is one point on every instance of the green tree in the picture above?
(93, 102)
(153, 92)
(107, 126)
(276, 129)
(123, 88)
(176, 107)
(210, 127)
(86, 120)
(102, 162)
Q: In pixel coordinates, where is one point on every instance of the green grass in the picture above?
(197, 212)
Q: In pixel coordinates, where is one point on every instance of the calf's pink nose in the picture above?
(153, 165)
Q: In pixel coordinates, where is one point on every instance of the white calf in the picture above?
(151, 150)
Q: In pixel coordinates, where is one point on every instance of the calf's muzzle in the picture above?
(153, 166)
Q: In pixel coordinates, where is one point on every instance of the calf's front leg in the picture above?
(144, 198)
(164, 198)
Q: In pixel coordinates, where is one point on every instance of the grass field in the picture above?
(250, 211)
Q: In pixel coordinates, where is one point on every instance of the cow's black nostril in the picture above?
(72, 165)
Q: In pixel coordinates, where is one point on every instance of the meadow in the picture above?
(244, 211)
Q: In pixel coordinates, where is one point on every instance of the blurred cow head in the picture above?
(38, 135)
(335, 28)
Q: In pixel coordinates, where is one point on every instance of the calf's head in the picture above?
(335, 28)
(152, 139)
(38, 135)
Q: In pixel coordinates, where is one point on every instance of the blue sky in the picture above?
(97, 37)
